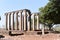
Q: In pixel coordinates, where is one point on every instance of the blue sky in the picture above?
(12, 5)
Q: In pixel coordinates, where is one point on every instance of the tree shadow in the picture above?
(55, 32)
(40, 33)
(1, 36)
(15, 34)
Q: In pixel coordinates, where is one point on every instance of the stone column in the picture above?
(20, 23)
(37, 22)
(13, 21)
(43, 30)
(29, 22)
(25, 20)
(17, 28)
(9, 21)
(33, 22)
(6, 21)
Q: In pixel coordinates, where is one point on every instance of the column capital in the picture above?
(13, 12)
(21, 11)
(36, 14)
(6, 13)
(33, 14)
(26, 10)
(17, 12)
(9, 13)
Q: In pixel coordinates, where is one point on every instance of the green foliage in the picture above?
(51, 12)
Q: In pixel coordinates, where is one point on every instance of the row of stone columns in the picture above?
(36, 27)
(22, 21)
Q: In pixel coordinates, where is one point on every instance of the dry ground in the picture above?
(49, 36)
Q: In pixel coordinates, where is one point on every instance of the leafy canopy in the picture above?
(51, 12)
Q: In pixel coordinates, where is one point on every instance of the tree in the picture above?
(51, 12)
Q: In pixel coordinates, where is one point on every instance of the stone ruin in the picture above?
(21, 22)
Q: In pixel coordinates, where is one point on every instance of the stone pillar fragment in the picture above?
(9, 21)
(25, 20)
(6, 21)
(17, 28)
(37, 22)
(29, 22)
(33, 22)
(43, 31)
(20, 23)
(13, 21)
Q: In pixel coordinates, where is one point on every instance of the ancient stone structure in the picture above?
(35, 27)
(24, 23)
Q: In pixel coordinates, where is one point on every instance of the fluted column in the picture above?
(33, 22)
(25, 20)
(9, 21)
(29, 22)
(6, 21)
(20, 23)
(13, 21)
(17, 28)
(37, 22)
